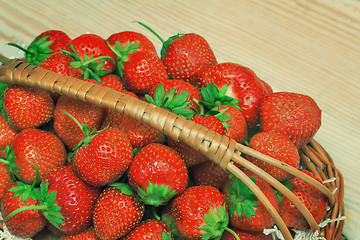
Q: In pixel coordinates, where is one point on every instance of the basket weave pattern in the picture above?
(218, 148)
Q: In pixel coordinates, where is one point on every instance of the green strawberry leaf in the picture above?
(10, 161)
(124, 187)
(216, 223)
(170, 222)
(155, 195)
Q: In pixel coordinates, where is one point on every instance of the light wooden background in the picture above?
(305, 46)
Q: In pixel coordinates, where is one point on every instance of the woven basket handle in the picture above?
(218, 148)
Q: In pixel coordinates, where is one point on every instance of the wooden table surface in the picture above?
(304, 46)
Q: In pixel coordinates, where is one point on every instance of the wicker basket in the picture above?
(220, 149)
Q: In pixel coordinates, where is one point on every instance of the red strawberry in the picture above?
(88, 234)
(209, 173)
(157, 174)
(130, 37)
(60, 62)
(5, 179)
(315, 201)
(7, 135)
(112, 81)
(245, 235)
(236, 127)
(21, 102)
(181, 86)
(149, 230)
(50, 41)
(246, 211)
(138, 132)
(117, 212)
(277, 146)
(142, 71)
(200, 212)
(191, 156)
(76, 199)
(105, 159)
(23, 224)
(294, 115)
(86, 113)
(243, 85)
(41, 148)
(267, 87)
(93, 55)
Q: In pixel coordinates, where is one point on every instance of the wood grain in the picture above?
(305, 46)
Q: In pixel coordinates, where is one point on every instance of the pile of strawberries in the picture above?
(85, 172)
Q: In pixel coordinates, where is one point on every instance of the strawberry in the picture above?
(21, 102)
(104, 159)
(48, 42)
(88, 234)
(60, 62)
(86, 113)
(76, 199)
(191, 156)
(157, 173)
(142, 71)
(150, 229)
(200, 212)
(138, 132)
(41, 148)
(267, 87)
(246, 211)
(236, 127)
(315, 201)
(185, 56)
(5, 179)
(25, 223)
(7, 135)
(112, 81)
(245, 235)
(209, 173)
(93, 55)
(294, 115)
(243, 83)
(180, 86)
(126, 212)
(127, 38)
(277, 146)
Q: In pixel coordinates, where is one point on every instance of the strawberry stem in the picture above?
(151, 30)
(232, 232)
(18, 46)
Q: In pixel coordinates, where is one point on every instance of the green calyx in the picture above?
(155, 195)
(213, 97)
(170, 222)
(216, 222)
(288, 185)
(93, 69)
(123, 187)
(241, 199)
(174, 103)
(123, 53)
(37, 51)
(10, 161)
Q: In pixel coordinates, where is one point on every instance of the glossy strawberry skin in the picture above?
(209, 173)
(92, 44)
(245, 235)
(76, 198)
(126, 212)
(315, 201)
(21, 102)
(191, 156)
(86, 113)
(132, 37)
(112, 81)
(5, 179)
(187, 56)
(60, 40)
(143, 70)
(277, 146)
(105, 159)
(189, 209)
(158, 164)
(7, 135)
(243, 85)
(238, 130)
(262, 219)
(138, 132)
(42, 148)
(26, 223)
(148, 230)
(294, 115)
